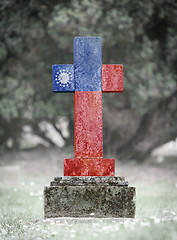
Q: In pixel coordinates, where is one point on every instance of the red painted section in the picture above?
(112, 78)
(88, 128)
(89, 167)
(88, 124)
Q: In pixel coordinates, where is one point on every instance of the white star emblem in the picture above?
(64, 78)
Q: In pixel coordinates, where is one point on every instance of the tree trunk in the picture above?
(156, 127)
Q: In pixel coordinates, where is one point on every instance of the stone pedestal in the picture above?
(89, 197)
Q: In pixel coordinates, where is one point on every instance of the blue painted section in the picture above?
(87, 63)
(63, 78)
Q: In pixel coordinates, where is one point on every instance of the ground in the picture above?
(23, 176)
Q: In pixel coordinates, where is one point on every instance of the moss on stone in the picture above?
(68, 200)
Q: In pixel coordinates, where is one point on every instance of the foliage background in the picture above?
(139, 34)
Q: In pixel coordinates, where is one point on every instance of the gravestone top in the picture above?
(88, 79)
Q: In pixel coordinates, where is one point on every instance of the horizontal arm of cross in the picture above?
(63, 78)
(112, 78)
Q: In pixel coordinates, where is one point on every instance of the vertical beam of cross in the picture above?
(88, 78)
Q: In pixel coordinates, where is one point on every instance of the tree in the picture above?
(141, 35)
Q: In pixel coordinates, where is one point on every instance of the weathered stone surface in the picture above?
(84, 181)
(91, 197)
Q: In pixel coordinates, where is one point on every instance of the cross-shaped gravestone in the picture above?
(88, 78)
(76, 195)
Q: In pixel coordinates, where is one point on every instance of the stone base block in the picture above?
(89, 197)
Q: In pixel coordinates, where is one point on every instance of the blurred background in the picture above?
(141, 35)
(37, 126)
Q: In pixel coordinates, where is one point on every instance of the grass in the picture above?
(21, 216)
(21, 201)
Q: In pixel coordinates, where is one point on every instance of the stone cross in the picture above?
(88, 79)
